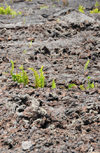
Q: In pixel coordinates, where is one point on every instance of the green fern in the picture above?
(53, 84)
(71, 85)
(81, 9)
(20, 77)
(86, 65)
(8, 11)
(39, 79)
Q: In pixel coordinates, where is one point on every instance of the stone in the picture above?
(27, 145)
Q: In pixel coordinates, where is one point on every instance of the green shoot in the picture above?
(96, 10)
(71, 85)
(89, 84)
(30, 44)
(44, 7)
(82, 87)
(86, 65)
(42, 78)
(81, 9)
(53, 84)
(8, 11)
(39, 79)
(20, 77)
(97, 4)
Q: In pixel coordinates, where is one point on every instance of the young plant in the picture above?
(44, 7)
(96, 10)
(82, 87)
(86, 65)
(53, 84)
(8, 11)
(81, 9)
(89, 84)
(97, 4)
(39, 78)
(20, 77)
(30, 43)
(71, 85)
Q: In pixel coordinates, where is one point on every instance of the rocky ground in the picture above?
(61, 120)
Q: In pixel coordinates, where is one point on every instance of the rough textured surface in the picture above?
(44, 120)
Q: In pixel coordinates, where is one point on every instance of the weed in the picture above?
(53, 84)
(81, 9)
(82, 87)
(86, 65)
(39, 79)
(89, 84)
(8, 11)
(20, 77)
(30, 43)
(71, 85)
(44, 7)
(96, 10)
(97, 4)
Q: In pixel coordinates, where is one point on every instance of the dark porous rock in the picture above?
(27, 145)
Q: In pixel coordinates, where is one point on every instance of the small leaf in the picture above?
(71, 85)
(81, 9)
(53, 84)
(86, 65)
(82, 87)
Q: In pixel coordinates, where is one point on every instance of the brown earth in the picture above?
(61, 120)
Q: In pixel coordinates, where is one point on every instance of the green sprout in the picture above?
(20, 77)
(71, 85)
(82, 87)
(44, 7)
(30, 43)
(89, 84)
(81, 9)
(39, 78)
(53, 84)
(86, 65)
(96, 10)
(97, 4)
(8, 11)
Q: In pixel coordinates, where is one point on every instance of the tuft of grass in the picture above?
(53, 84)
(20, 77)
(39, 78)
(8, 11)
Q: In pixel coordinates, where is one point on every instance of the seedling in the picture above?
(97, 4)
(53, 84)
(20, 77)
(8, 11)
(71, 85)
(30, 44)
(39, 78)
(81, 9)
(82, 87)
(44, 7)
(96, 10)
(86, 65)
(89, 84)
